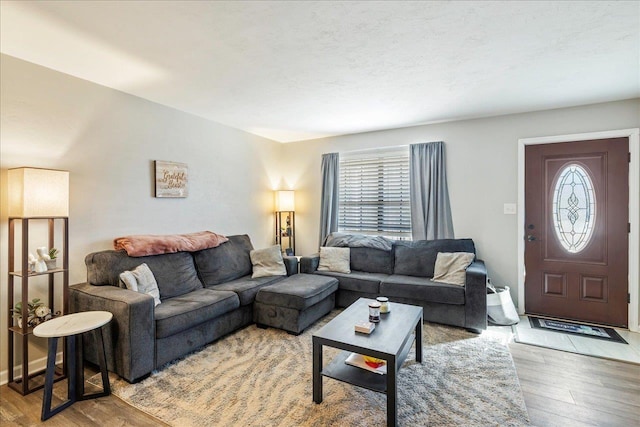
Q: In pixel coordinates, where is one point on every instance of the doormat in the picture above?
(579, 329)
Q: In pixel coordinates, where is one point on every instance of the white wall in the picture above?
(482, 166)
(108, 141)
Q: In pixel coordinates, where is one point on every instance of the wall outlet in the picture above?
(509, 208)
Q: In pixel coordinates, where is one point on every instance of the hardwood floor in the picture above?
(18, 410)
(567, 389)
(559, 388)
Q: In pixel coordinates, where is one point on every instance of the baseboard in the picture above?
(34, 366)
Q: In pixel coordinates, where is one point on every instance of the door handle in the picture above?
(531, 238)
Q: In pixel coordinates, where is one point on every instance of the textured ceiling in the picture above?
(294, 70)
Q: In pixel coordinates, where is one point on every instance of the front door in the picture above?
(576, 230)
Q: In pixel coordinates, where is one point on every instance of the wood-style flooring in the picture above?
(560, 389)
(568, 389)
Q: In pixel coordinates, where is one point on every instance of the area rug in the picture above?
(257, 377)
(579, 329)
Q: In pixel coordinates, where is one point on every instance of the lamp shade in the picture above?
(285, 201)
(37, 193)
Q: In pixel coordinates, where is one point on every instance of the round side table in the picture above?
(72, 326)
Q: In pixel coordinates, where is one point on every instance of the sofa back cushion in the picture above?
(418, 258)
(371, 254)
(372, 260)
(229, 261)
(175, 273)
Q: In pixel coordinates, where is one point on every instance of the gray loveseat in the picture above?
(402, 271)
(205, 295)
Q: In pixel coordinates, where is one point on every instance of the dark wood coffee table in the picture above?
(391, 341)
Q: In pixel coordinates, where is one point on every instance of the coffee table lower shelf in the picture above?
(337, 369)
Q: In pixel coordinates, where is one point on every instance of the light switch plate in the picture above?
(509, 208)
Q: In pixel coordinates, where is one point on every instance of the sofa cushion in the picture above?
(175, 273)
(299, 291)
(226, 262)
(334, 259)
(372, 260)
(418, 258)
(186, 311)
(246, 287)
(141, 279)
(267, 262)
(372, 254)
(358, 281)
(421, 289)
(451, 267)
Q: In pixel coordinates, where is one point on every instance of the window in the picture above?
(374, 193)
(574, 208)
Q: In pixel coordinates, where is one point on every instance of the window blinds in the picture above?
(374, 194)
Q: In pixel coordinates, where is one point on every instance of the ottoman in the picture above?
(295, 302)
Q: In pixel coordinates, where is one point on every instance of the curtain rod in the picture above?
(393, 147)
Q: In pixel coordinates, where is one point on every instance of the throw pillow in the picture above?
(335, 259)
(451, 267)
(267, 262)
(141, 279)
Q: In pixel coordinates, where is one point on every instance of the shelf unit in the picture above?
(339, 370)
(20, 335)
(286, 231)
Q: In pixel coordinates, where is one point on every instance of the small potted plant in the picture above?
(35, 308)
(53, 255)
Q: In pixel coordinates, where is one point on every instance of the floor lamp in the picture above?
(285, 221)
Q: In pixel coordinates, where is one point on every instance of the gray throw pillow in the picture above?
(267, 262)
(451, 267)
(141, 279)
(335, 259)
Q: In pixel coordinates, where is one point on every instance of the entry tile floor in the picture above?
(524, 333)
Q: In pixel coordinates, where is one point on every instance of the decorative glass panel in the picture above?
(574, 208)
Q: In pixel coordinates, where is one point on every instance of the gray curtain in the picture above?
(329, 201)
(430, 207)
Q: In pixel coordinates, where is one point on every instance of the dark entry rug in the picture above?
(579, 329)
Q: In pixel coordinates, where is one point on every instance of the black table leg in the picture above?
(102, 360)
(47, 411)
(392, 393)
(419, 340)
(317, 368)
(79, 355)
(75, 372)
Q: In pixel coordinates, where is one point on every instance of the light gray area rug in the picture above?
(257, 377)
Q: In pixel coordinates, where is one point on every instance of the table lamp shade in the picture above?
(37, 193)
(285, 201)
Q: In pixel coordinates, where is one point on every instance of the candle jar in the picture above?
(374, 312)
(384, 304)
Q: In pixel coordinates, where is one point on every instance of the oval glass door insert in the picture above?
(574, 208)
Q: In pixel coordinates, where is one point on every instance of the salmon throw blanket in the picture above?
(143, 245)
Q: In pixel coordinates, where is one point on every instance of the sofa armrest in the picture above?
(309, 264)
(291, 264)
(129, 338)
(476, 296)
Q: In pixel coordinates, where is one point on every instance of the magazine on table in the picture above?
(359, 361)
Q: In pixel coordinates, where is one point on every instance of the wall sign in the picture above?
(172, 179)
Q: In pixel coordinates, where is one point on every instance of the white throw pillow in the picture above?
(451, 267)
(335, 259)
(267, 262)
(141, 279)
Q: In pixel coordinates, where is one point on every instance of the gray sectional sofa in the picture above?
(402, 271)
(205, 295)
(210, 293)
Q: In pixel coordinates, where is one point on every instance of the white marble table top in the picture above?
(72, 324)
